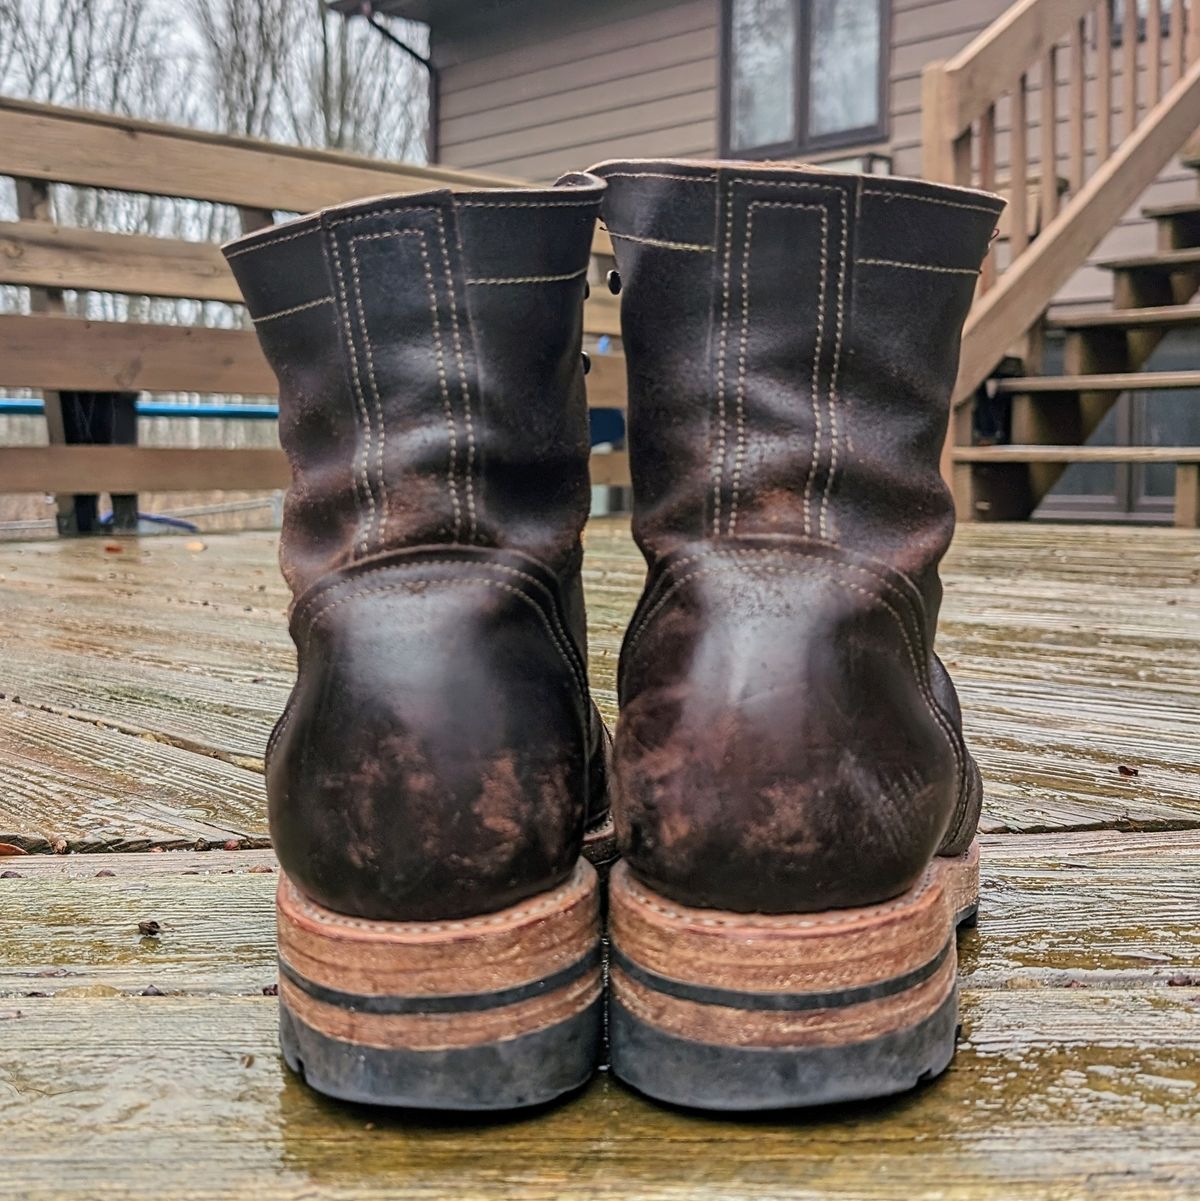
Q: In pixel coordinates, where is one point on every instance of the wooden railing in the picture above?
(1070, 108)
(53, 352)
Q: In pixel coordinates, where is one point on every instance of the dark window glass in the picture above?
(762, 89)
(803, 73)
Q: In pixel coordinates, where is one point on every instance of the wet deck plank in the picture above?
(1055, 1093)
(1105, 910)
(1076, 650)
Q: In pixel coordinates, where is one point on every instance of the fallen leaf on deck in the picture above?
(1126, 771)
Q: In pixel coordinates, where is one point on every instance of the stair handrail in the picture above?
(977, 103)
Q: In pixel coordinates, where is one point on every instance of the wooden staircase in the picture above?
(979, 100)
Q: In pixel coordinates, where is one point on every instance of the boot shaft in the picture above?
(428, 355)
(793, 338)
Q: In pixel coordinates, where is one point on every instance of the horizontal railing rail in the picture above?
(53, 351)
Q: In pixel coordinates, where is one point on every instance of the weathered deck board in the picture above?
(97, 789)
(1076, 649)
(1101, 910)
(1057, 1093)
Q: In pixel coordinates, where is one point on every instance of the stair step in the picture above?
(1169, 314)
(1077, 454)
(1161, 260)
(1182, 208)
(1124, 381)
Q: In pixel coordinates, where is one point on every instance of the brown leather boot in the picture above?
(794, 801)
(439, 760)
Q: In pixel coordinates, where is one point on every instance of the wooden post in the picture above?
(1129, 66)
(1049, 152)
(945, 150)
(33, 204)
(1187, 495)
(1078, 106)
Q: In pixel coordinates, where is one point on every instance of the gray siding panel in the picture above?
(569, 93)
(547, 86)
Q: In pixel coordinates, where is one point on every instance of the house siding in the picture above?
(538, 89)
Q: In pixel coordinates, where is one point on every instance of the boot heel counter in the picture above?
(780, 748)
(432, 762)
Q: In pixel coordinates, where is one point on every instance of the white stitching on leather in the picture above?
(462, 375)
(719, 464)
(530, 279)
(527, 204)
(658, 175)
(950, 204)
(233, 254)
(363, 453)
(462, 581)
(567, 641)
(356, 278)
(663, 243)
(802, 185)
(834, 433)
(918, 267)
(451, 426)
(296, 308)
(738, 456)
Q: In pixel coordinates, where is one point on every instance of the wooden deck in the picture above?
(139, 681)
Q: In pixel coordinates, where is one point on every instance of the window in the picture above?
(802, 75)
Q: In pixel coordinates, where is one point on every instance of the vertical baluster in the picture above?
(1077, 104)
(1049, 154)
(1129, 66)
(1175, 20)
(1192, 25)
(1154, 52)
(1103, 81)
(1018, 171)
(987, 181)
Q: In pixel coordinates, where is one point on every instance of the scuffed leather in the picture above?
(439, 756)
(788, 740)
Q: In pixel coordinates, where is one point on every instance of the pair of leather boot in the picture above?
(794, 803)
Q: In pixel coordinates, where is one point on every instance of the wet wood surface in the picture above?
(1076, 652)
(1105, 909)
(1055, 1094)
(139, 686)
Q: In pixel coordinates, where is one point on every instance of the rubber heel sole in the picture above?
(497, 1012)
(734, 1011)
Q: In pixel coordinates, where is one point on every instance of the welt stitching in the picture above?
(791, 923)
(296, 308)
(462, 375)
(719, 464)
(319, 614)
(921, 675)
(529, 279)
(304, 233)
(664, 243)
(356, 280)
(521, 575)
(327, 918)
(918, 266)
(834, 433)
(363, 453)
(950, 204)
